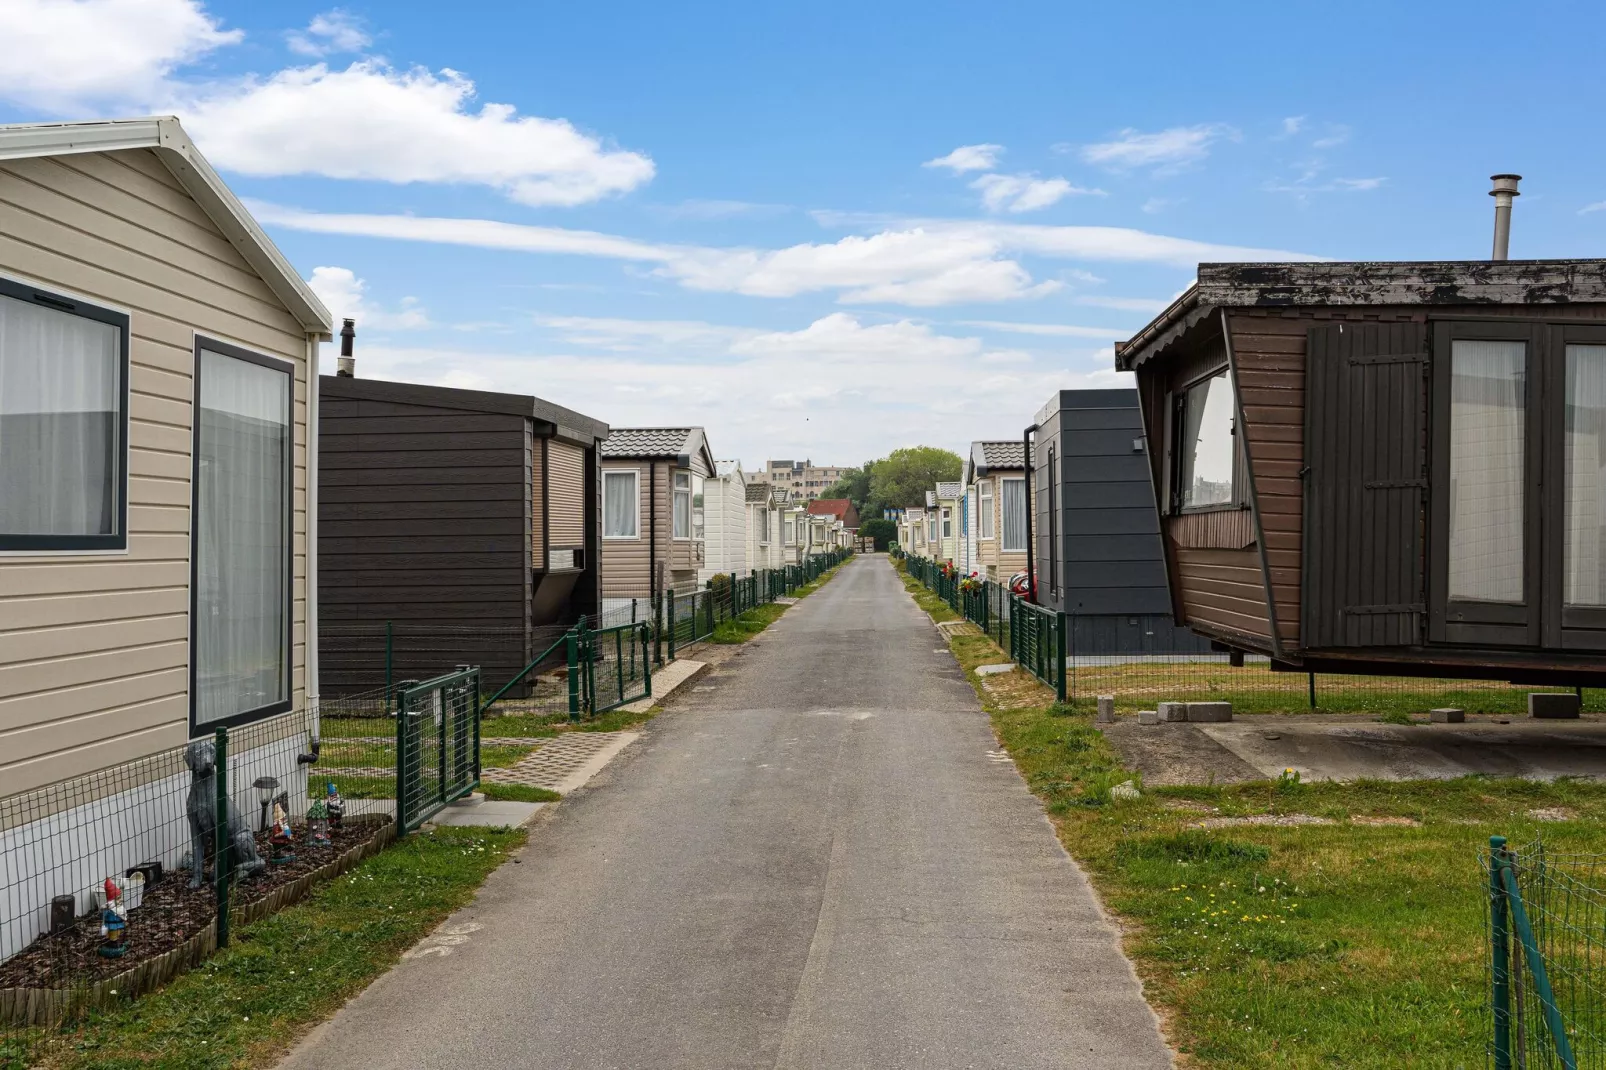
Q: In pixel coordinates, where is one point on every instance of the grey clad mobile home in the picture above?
(1097, 536)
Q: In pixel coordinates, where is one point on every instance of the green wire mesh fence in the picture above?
(1547, 952)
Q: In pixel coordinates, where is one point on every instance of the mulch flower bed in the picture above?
(171, 915)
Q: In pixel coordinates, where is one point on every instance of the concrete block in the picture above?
(1448, 715)
(1209, 711)
(1148, 717)
(1561, 705)
(1106, 714)
(1173, 712)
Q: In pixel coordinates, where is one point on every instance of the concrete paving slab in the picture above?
(489, 814)
(565, 762)
(665, 682)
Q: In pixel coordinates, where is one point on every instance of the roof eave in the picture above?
(166, 138)
(1129, 354)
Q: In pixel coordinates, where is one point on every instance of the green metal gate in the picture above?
(615, 665)
(437, 745)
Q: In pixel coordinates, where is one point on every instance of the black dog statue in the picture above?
(201, 757)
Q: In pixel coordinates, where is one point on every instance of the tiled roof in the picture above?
(950, 490)
(998, 454)
(836, 507)
(758, 493)
(647, 442)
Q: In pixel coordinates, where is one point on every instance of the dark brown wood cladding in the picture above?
(424, 521)
(1222, 591)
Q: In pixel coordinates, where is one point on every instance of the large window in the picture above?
(1585, 521)
(947, 522)
(1488, 402)
(1205, 455)
(984, 509)
(1013, 492)
(240, 661)
(621, 504)
(63, 422)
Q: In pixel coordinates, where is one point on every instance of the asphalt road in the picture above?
(821, 863)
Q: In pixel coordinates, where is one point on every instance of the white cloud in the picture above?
(1598, 206)
(627, 335)
(1165, 150)
(331, 32)
(923, 265)
(1336, 135)
(1292, 125)
(1156, 205)
(1052, 330)
(1023, 193)
(66, 55)
(343, 293)
(878, 386)
(370, 121)
(704, 210)
(968, 158)
(1310, 181)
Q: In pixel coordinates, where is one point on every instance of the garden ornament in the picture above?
(279, 837)
(201, 757)
(113, 923)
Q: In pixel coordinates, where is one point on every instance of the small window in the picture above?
(1014, 503)
(1205, 453)
(984, 509)
(931, 530)
(621, 506)
(63, 423)
(697, 490)
(241, 566)
(947, 523)
(682, 506)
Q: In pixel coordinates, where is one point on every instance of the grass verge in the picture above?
(749, 624)
(517, 793)
(1358, 943)
(924, 598)
(247, 1004)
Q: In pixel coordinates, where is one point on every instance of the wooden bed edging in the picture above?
(47, 1006)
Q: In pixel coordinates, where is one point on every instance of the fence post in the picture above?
(223, 863)
(1500, 952)
(440, 780)
(390, 648)
(1312, 690)
(571, 654)
(477, 769)
(670, 595)
(1059, 656)
(646, 664)
(401, 764)
(658, 629)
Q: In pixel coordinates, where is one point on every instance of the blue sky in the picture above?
(833, 229)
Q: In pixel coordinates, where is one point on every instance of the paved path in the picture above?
(821, 863)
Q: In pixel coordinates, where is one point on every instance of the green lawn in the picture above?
(1350, 944)
(247, 1004)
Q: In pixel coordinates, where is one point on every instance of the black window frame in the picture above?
(1541, 620)
(1178, 425)
(117, 541)
(287, 367)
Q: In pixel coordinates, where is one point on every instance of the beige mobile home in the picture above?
(653, 482)
(996, 474)
(157, 367)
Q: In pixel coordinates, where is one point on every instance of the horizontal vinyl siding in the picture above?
(94, 648)
(626, 565)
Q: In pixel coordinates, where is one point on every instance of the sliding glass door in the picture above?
(241, 537)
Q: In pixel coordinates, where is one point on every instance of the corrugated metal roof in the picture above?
(647, 442)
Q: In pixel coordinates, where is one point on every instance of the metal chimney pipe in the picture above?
(346, 367)
(1504, 192)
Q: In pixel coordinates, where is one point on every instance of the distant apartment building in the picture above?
(804, 480)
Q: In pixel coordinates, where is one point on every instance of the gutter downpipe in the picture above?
(1031, 546)
(652, 534)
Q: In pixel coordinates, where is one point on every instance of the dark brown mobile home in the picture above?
(1386, 467)
(448, 512)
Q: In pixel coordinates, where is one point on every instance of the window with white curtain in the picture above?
(63, 421)
(1585, 520)
(947, 522)
(621, 504)
(790, 538)
(1014, 503)
(241, 536)
(764, 526)
(681, 506)
(1488, 420)
(984, 509)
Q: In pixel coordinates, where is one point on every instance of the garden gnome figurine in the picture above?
(113, 923)
(279, 837)
(335, 805)
(318, 823)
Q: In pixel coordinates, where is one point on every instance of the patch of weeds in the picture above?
(501, 756)
(1191, 846)
(1395, 717)
(749, 624)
